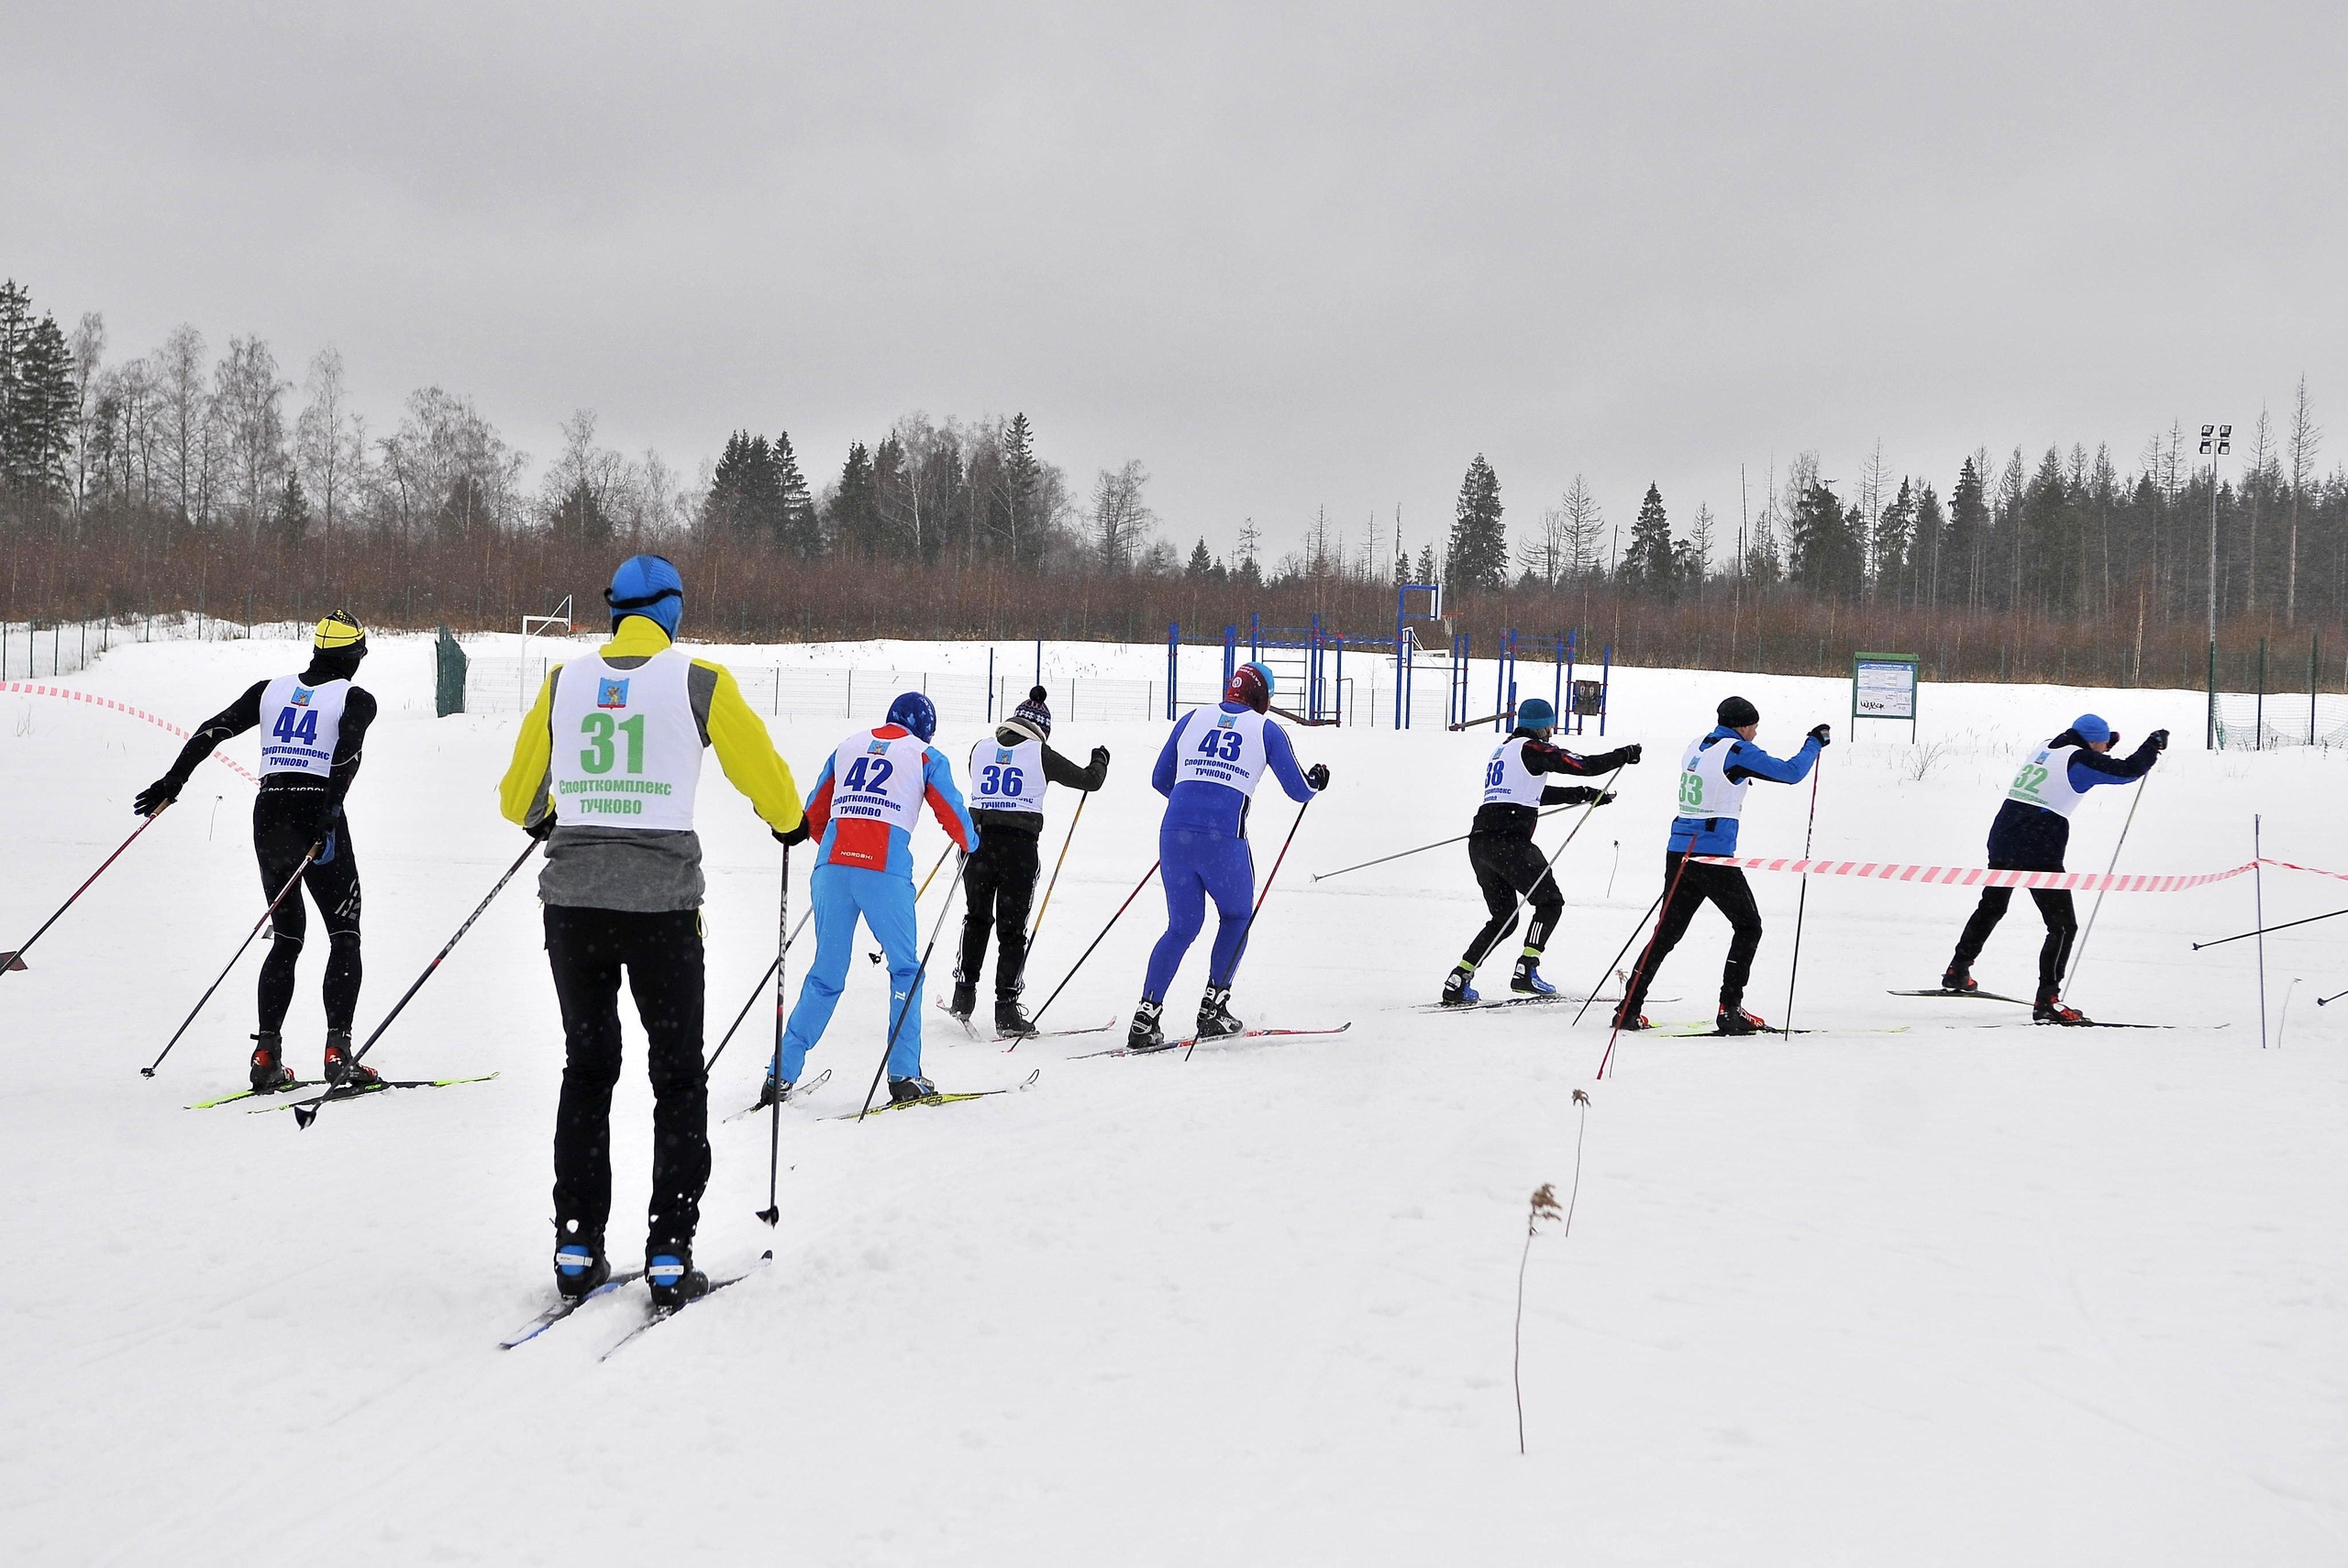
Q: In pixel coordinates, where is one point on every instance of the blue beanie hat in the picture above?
(647, 586)
(1536, 713)
(2091, 728)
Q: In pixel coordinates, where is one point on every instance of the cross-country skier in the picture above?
(2030, 831)
(865, 805)
(1499, 843)
(1008, 772)
(1714, 773)
(605, 770)
(314, 729)
(1208, 773)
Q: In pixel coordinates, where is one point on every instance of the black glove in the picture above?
(1582, 796)
(2157, 740)
(541, 830)
(1317, 775)
(156, 796)
(1630, 755)
(798, 834)
(1100, 756)
(1823, 735)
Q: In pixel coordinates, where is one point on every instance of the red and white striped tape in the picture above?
(1981, 877)
(70, 695)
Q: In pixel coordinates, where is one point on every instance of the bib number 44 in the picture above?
(296, 726)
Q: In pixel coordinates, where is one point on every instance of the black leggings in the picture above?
(662, 955)
(1723, 885)
(2054, 906)
(999, 888)
(285, 823)
(1506, 868)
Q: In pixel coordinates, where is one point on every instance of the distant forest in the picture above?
(183, 480)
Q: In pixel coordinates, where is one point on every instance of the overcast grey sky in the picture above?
(1288, 256)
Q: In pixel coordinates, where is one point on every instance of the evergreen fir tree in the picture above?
(797, 528)
(1426, 564)
(1651, 564)
(1202, 565)
(1925, 546)
(855, 519)
(291, 520)
(1478, 555)
(1023, 475)
(1894, 533)
(1823, 551)
(1968, 537)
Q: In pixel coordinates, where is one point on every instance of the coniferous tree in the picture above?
(1426, 564)
(1650, 565)
(1478, 555)
(1965, 552)
(1926, 550)
(1021, 477)
(1202, 565)
(797, 528)
(1894, 529)
(1823, 551)
(291, 520)
(856, 513)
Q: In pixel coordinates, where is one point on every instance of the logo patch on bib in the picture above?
(612, 694)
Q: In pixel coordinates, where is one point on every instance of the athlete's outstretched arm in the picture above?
(746, 753)
(945, 800)
(1282, 757)
(1746, 760)
(1161, 778)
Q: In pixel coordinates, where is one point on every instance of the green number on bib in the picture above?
(598, 756)
(1691, 791)
(634, 729)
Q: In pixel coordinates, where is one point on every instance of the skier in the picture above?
(605, 770)
(1499, 845)
(1714, 773)
(317, 730)
(865, 804)
(2030, 831)
(1208, 773)
(1009, 770)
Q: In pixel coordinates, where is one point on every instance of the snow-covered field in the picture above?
(1970, 1293)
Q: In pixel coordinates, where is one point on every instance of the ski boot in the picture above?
(342, 1071)
(269, 1073)
(669, 1272)
(1214, 1014)
(1736, 1020)
(1527, 981)
(966, 999)
(903, 1091)
(1011, 1021)
(1457, 991)
(773, 1091)
(1959, 981)
(1630, 1021)
(2049, 1008)
(578, 1267)
(1143, 1035)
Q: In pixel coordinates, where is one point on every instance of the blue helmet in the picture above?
(2091, 728)
(647, 586)
(916, 712)
(1536, 713)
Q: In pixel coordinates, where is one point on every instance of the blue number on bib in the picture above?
(990, 779)
(1015, 782)
(870, 772)
(1492, 775)
(1222, 745)
(296, 724)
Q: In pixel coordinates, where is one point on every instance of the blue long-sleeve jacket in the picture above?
(2025, 837)
(1197, 806)
(1717, 835)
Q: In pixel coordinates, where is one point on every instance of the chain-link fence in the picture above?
(792, 694)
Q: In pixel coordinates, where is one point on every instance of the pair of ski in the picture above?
(1186, 1044)
(801, 1090)
(654, 1316)
(2018, 1001)
(971, 1028)
(1497, 1002)
(344, 1092)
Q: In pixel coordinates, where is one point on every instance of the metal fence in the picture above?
(792, 693)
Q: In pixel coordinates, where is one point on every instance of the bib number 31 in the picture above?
(602, 750)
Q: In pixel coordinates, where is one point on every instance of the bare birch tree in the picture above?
(2301, 441)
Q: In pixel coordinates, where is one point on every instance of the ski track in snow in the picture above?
(1957, 1295)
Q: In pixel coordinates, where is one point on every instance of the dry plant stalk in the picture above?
(1543, 1207)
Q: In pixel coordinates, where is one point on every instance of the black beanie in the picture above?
(1035, 713)
(1737, 712)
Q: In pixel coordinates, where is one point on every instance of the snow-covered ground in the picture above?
(1970, 1293)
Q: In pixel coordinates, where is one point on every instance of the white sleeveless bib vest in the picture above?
(1007, 777)
(1508, 781)
(2044, 781)
(1704, 787)
(876, 784)
(626, 750)
(299, 726)
(1223, 748)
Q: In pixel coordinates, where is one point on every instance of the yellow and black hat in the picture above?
(339, 632)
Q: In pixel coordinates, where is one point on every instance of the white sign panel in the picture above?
(1886, 689)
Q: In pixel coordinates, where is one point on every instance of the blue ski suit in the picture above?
(1203, 851)
(844, 891)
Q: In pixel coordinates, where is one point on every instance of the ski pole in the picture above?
(1240, 951)
(291, 883)
(1550, 865)
(772, 1212)
(919, 894)
(1055, 867)
(16, 960)
(1088, 952)
(755, 987)
(1438, 843)
(1635, 929)
(2323, 1001)
(2080, 954)
(913, 990)
(1802, 904)
(1639, 973)
(2262, 930)
(2258, 912)
(307, 1112)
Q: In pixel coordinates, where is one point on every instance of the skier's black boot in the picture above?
(579, 1267)
(670, 1271)
(1214, 1014)
(903, 1089)
(342, 1070)
(2049, 1008)
(1011, 1021)
(1526, 980)
(1457, 991)
(1626, 1019)
(966, 999)
(269, 1072)
(1959, 980)
(1736, 1020)
(1143, 1035)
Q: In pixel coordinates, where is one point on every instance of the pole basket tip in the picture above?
(10, 961)
(146, 1071)
(771, 1216)
(304, 1114)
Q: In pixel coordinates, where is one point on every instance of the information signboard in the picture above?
(1883, 686)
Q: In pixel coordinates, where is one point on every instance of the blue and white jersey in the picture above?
(1007, 777)
(1211, 762)
(1507, 781)
(1221, 749)
(2045, 781)
(300, 724)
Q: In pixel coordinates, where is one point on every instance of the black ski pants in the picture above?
(1693, 884)
(285, 823)
(999, 889)
(1509, 869)
(2054, 907)
(661, 953)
